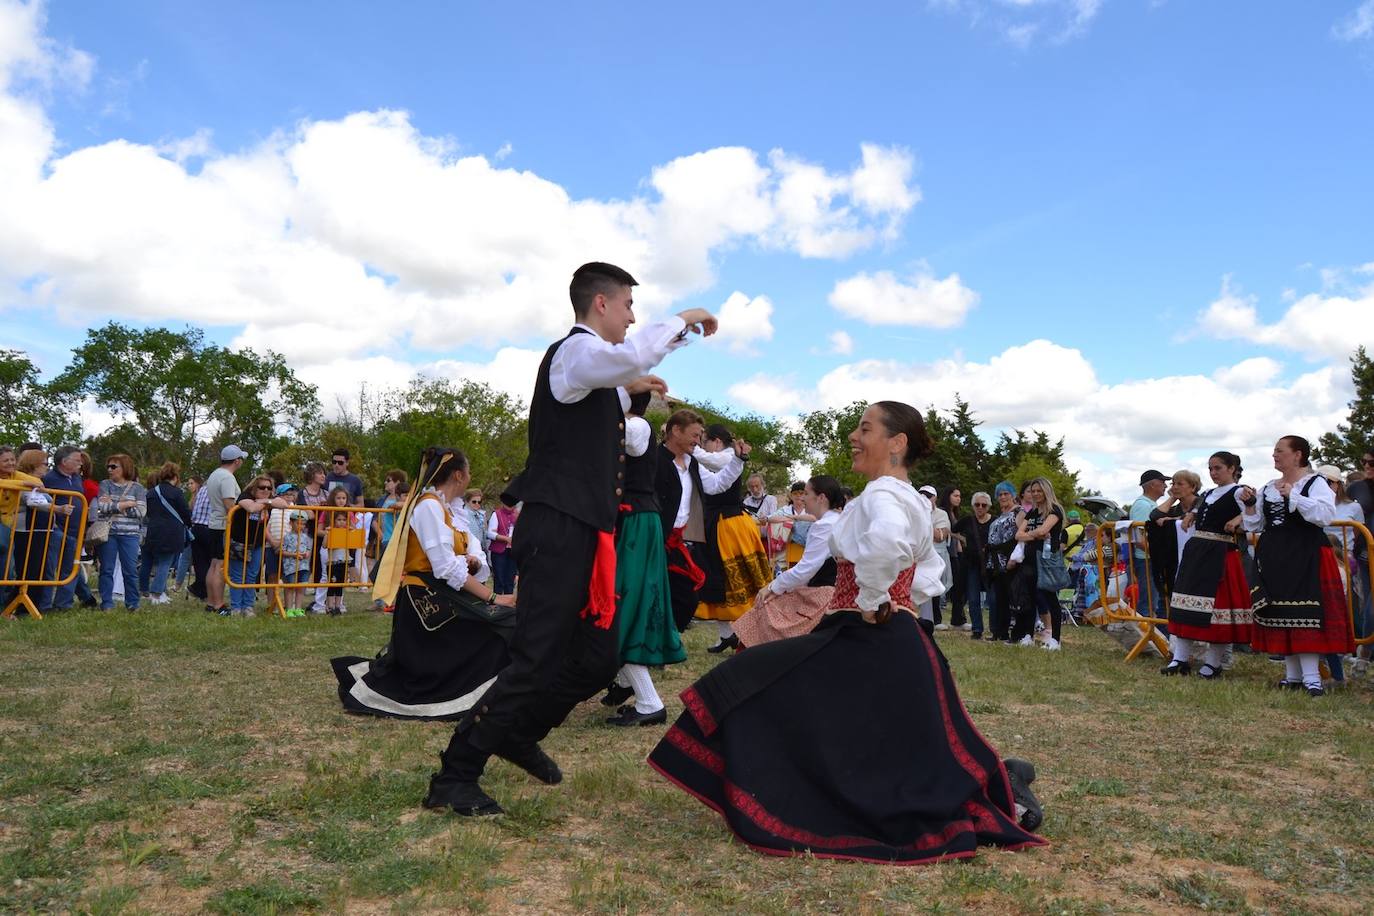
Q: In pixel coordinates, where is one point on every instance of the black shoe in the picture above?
(1175, 666)
(532, 759)
(1021, 773)
(1316, 692)
(628, 716)
(975, 636)
(210, 609)
(89, 602)
(1209, 672)
(728, 642)
(1286, 684)
(462, 798)
(615, 695)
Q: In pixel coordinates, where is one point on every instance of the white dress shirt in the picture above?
(883, 531)
(712, 482)
(586, 362)
(436, 539)
(813, 557)
(713, 460)
(457, 511)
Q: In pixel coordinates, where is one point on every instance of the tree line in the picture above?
(176, 397)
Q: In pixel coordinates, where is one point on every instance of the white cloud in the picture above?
(841, 343)
(1357, 25)
(1112, 431)
(1315, 324)
(361, 235)
(743, 322)
(1021, 22)
(767, 395)
(922, 301)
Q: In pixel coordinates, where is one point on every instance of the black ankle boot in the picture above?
(532, 759)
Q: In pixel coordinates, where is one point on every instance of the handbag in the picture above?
(1051, 575)
(98, 531)
(187, 536)
(437, 603)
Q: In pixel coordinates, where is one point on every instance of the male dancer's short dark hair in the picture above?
(595, 278)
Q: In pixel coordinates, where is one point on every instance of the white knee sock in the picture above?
(1292, 669)
(647, 699)
(1311, 674)
(724, 629)
(1215, 654)
(1183, 648)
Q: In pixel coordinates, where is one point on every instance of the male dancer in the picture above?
(680, 484)
(565, 645)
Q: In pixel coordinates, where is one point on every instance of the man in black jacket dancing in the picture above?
(565, 646)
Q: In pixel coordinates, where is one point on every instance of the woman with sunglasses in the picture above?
(245, 545)
(124, 502)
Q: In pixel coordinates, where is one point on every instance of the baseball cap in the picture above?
(1073, 514)
(285, 488)
(1330, 472)
(231, 453)
(928, 490)
(1150, 475)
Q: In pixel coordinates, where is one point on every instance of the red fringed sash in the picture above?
(601, 590)
(680, 560)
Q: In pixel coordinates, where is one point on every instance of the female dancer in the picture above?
(793, 603)
(1211, 600)
(736, 564)
(440, 660)
(1299, 605)
(850, 742)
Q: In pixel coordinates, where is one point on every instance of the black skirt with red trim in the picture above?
(1299, 600)
(850, 742)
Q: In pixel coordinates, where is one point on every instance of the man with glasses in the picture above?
(974, 530)
(65, 517)
(340, 476)
(223, 490)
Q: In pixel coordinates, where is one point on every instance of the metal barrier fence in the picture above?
(1121, 589)
(42, 542)
(283, 553)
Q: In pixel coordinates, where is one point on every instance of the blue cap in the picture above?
(1004, 487)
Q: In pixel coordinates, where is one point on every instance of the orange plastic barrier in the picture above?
(27, 555)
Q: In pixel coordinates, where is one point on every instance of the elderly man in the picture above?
(1152, 486)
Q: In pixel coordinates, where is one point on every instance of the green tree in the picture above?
(185, 398)
(775, 449)
(1018, 458)
(1348, 444)
(31, 410)
(825, 442)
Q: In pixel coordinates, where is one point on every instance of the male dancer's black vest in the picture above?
(639, 479)
(668, 486)
(576, 460)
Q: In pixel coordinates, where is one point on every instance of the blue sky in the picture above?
(1079, 173)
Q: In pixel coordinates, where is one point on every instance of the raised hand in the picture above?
(700, 321)
(647, 383)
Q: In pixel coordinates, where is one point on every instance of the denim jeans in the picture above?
(62, 550)
(973, 593)
(182, 566)
(124, 548)
(161, 563)
(245, 570)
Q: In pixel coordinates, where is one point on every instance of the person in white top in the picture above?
(794, 602)
(1299, 605)
(771, 737)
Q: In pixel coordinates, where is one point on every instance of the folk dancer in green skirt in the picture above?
(644, 610)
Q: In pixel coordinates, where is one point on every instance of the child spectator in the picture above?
(295, 548)
(338, 526)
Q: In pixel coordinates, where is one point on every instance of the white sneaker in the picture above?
(942, 626)
(1050, 644)
(317, 608)
(966, 627)
(161, 599)
(1026, 641)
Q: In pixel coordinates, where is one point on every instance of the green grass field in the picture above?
(171, 761)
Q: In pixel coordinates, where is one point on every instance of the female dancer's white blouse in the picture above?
(813, 557)
(883, 531)
(436, 539)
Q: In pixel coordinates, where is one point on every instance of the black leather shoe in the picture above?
(1021, 773)
(1177, 667)
(728, 642)
(463, 798)
(1209, 672)
(628, 716)
(615, 695)
(1316, 692)
(532, 759)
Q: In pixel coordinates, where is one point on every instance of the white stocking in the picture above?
(724, 629)
(1292, 669)
(647, 699)
(1183, 648)
(1311, 673)
(1215, 655)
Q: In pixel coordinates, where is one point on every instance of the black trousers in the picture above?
(680, 591)
(202, 550)
(558, 658)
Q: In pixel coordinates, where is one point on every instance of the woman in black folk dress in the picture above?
(851, 742)
(1298, 597)
(1211, 599)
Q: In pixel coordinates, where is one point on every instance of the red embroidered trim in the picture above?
(961, 753)
(697, 707)
(696, 750)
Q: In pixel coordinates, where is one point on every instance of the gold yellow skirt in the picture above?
(794, 553)
(746, 568)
